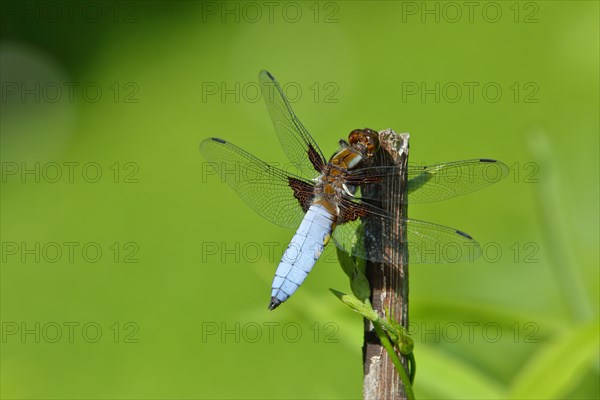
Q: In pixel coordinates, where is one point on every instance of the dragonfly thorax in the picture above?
(330, 186)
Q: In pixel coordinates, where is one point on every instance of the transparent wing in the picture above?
(428, 243)
(273, 193)
(440, 181)
(298, 145)
(445, 181)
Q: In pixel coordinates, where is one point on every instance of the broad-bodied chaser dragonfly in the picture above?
(323, 200)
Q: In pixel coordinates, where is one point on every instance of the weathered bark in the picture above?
(389, 280)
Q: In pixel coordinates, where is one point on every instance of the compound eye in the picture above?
(372, 141)
(355, 136)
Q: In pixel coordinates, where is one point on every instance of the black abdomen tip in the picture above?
(274, 303)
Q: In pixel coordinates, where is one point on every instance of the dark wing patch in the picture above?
(303, 192)
(350, 211)
(315, 158)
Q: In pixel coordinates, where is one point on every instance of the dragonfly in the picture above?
(324, 199)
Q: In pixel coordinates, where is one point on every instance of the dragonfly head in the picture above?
(366, 140)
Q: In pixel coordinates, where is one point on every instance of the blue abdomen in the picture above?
(301, 254)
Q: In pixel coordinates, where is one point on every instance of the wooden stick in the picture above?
(388, 281)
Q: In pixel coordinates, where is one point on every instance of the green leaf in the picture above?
(559, 366)
(346, 262)
(399, 335)
(355, 270)
(357, 305)
(360, 287)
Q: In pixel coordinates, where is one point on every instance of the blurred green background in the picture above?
(130, 271)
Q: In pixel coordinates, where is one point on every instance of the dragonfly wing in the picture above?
(428, 243)
(298, 145)
(275, 194)
(440, 181)
(445, 181)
